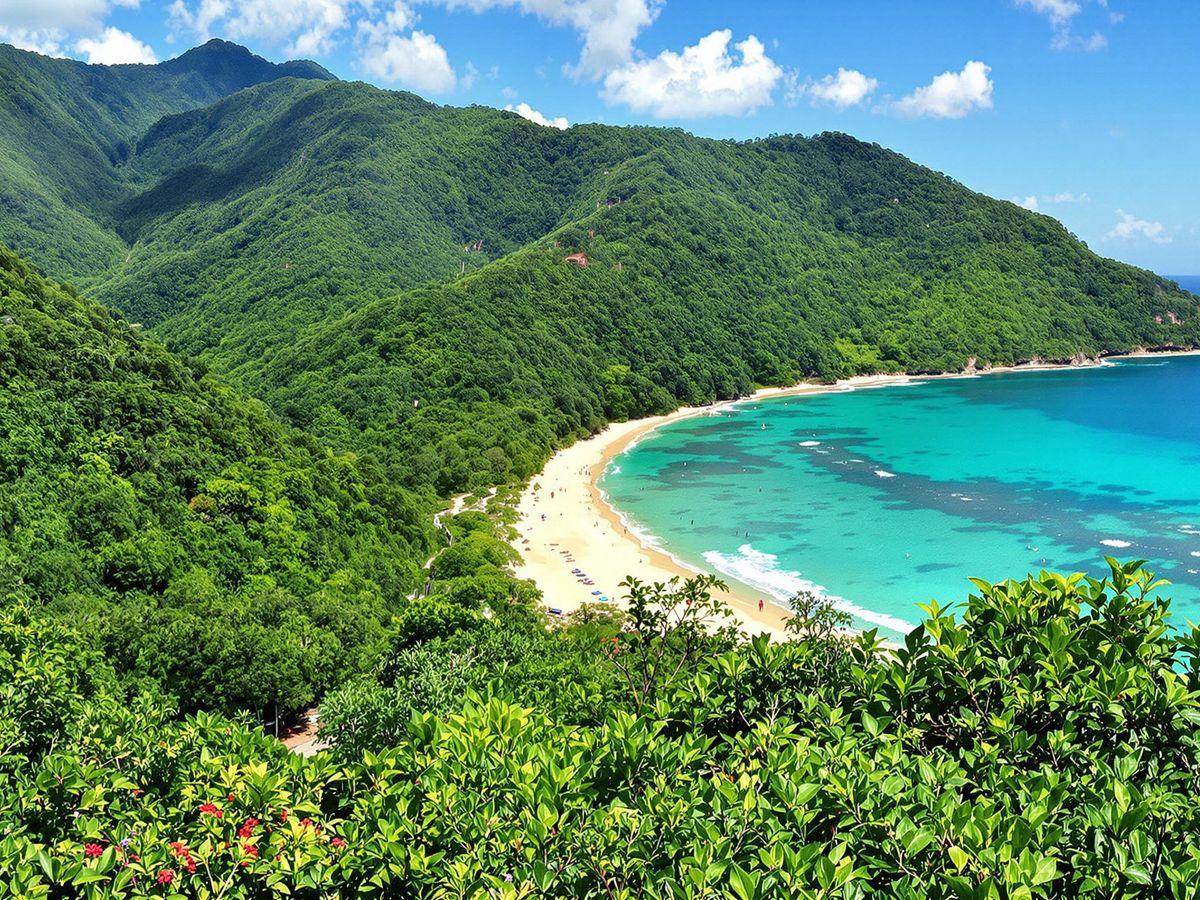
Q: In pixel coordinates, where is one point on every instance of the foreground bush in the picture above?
(1041, 741)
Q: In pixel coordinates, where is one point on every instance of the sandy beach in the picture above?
(565, 522)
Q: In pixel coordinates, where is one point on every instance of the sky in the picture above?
(1085, 110)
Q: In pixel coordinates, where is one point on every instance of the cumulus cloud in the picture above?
(304, 27)
(413, 60)
(847, 88)
(525, 111)
(43, 26)
(607, 28)
(114, 47)
(46, 41)
(951, 95)
(703, 80)
(1030, 203)
(1130, 227)
(62, 15)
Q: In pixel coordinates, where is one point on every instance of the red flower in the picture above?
(306, 823)
(137, 792)
(91, 851)
(183, 854)
(230, 797)
(250, 850)
(283, 815)
(247, 829)
(166, 876)
(338, 842)
(211, 810)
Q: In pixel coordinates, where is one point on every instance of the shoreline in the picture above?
(565, 521)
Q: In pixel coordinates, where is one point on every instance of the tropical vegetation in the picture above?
(311, 311)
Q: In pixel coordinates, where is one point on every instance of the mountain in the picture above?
(392, 274)
(201, 543)
(67, 127)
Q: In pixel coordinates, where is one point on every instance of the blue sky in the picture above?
(1088, 110)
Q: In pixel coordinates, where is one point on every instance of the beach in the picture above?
(565, 522)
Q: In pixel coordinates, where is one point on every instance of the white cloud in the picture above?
(46, 25)
(46, 41)
(64, 15)
(525, 111)
(1130, 227)
(1067, 197)
(1065, 40)
(304, 27)
(114, 47)
(414, 61)
(847, 88)
(1035, 203)
(1059, 12)
(608, 28)
(951, 95)
(703, 80)
(469, 77)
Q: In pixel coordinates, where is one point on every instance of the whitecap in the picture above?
(884, 473)
(810, 443)
(1113, 542)
(762, 571)
(1195, 553)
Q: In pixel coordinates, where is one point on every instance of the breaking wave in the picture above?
(762, 571)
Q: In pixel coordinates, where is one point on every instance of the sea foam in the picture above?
(762, 571)
(1113, 542)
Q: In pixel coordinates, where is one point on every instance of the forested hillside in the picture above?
(391, 274)
(66, 129)
(179, 526)
(692, 295)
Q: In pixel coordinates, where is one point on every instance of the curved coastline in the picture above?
(566, 521)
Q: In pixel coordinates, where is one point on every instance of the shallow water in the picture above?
(890, 497)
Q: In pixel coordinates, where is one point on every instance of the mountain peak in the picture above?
(233, 67)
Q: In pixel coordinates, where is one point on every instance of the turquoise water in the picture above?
(888, 497)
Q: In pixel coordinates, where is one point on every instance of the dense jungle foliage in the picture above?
(1041, 740)
(178, 525)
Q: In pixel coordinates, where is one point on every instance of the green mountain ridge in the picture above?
(66, 128)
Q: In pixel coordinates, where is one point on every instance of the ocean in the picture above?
(883, 498)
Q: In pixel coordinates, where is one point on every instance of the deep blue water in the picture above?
(885, 498)
(1187, 282)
